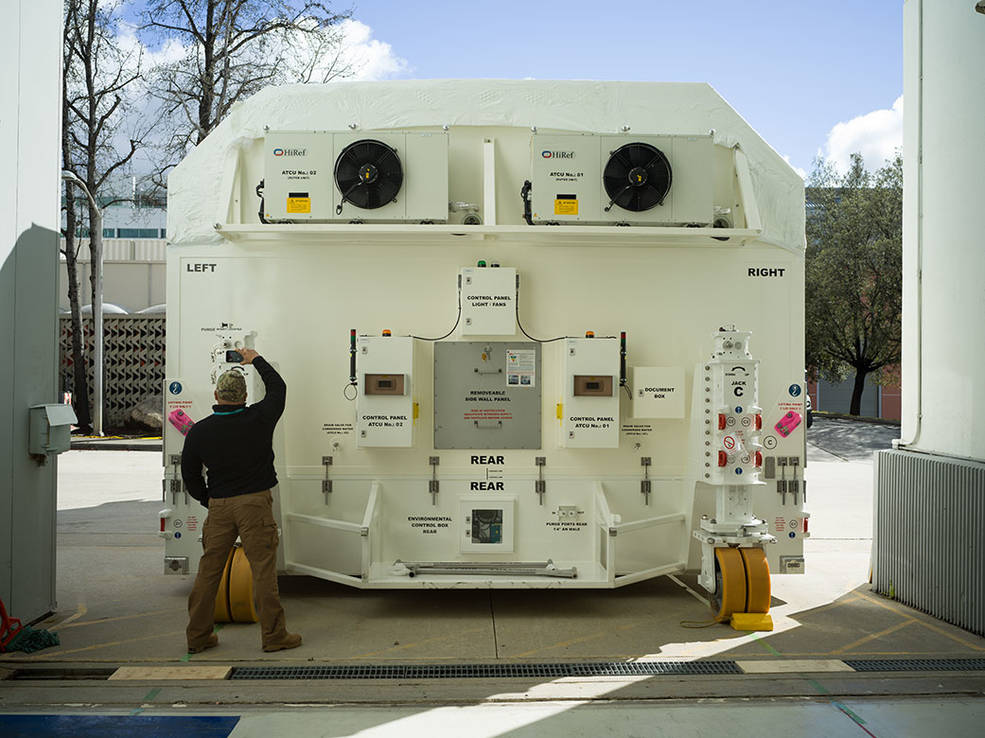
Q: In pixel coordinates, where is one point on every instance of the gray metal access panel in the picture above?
(487, 394)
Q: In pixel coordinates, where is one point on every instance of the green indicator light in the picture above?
(482, 263)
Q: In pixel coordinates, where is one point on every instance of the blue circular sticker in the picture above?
(792, 534)
(177, 534)
(794, 390)
(738, 470)
(175, 388)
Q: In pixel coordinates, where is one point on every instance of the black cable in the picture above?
(457, 318)
(628, 391)
(516, 302)
(259, 191)
(525, 196)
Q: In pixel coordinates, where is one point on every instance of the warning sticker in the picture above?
(299, 204)
(780, 524)
(521, 367)
(566, 205)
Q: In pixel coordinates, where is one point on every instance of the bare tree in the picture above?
(96, 75)
(232, 49)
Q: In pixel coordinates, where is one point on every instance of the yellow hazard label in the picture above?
(565, 207)
(299, 204)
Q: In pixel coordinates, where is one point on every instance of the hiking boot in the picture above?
(290, 640)
(212, 642)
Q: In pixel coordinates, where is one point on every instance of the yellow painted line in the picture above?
(163, 673)
(873, 636)
(80, 611)
(793, 666)
(116, 619)
(921, 621)
(573, 641)
(405, 646)
(108, 644)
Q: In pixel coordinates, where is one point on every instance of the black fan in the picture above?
(636, 177)
(368, 174)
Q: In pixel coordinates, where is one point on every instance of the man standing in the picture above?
(235, 444)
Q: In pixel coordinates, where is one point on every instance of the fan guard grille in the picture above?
(368, 174)
(637, 177)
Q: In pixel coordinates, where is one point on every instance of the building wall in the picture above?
(30, 105)
(133, 274)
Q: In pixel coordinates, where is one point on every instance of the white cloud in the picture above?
(369, 58)
(875, 136)
(800, 170)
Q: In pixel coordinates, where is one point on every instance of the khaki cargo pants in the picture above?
(251, 517)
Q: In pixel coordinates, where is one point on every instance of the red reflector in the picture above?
(162, 524)
(722, 458)
(759, 458)
(759, 422)
(721, 421)
(805, 524)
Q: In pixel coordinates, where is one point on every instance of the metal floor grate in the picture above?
(487, 671)
(916, 664)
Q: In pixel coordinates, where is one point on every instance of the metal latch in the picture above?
(645, 462)
(433, 482)
(326, 485)
(540, 486)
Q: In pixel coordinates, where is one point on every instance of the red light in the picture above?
(805, 524)
(759, 458)
(721, 421)
(722, 458)
(162, 524)
(386, 331)
(759, 422)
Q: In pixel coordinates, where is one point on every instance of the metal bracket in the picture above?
(645, 485)
(540, 486)
(433, 482)
(326, 485)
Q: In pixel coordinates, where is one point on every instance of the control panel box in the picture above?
(593, 179)
(658, 392)
(488, 301)
(383, 177)
(487, 524)
(384, 403)
(487, 394)
(590, 404)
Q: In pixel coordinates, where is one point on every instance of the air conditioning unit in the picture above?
(608, 180)
(392, 177)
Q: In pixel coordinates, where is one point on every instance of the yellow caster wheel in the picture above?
(730, 584)
(241, 606)
(222, 594)
(234, 600)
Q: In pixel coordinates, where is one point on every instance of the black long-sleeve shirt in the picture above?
(235, 444)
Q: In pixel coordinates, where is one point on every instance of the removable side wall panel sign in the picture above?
(474, 405)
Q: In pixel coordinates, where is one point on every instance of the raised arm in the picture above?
(272, 405)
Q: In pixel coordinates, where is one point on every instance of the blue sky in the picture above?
(810, 77)
(793, 69)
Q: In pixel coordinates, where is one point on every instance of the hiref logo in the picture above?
(290, 152)
(558, 154)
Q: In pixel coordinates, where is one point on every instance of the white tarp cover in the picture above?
(600, 107)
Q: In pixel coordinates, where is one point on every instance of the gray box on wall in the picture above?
(487, 395)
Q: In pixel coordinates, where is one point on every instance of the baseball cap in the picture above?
(231, 386)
